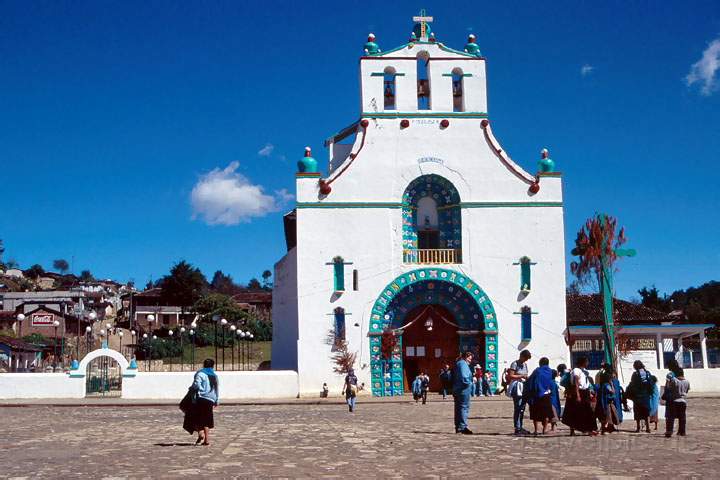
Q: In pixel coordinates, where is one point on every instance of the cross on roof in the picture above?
(423, 19)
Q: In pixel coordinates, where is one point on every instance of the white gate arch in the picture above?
(101, 352)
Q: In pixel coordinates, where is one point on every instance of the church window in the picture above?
(432, 227)
(525, 324)
(339, 274)
(525, 274)
(389, 88)
(339, 329)
(458, 90)
(423, 81)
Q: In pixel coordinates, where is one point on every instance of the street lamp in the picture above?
(121, 334)
(20, 318)
(88, 332)
(242, 346)
(56, 324)
(223, 322)
(146, 347)
(192, 339)
(215, 319)
(170, 334)
(233, 328)
(182, 350)
(250, 350)
(150, 319)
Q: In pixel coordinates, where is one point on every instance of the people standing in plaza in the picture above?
(462, 390)
(675, 395)
(478, 380)
(199, 416)
(487, 391)
(350, 389)
(640, 391)
(606, 407)
(538, 392)
(556, 406)
(446, 382)
(417, 388)
(516, 375)
(578, 413)
(424, 386)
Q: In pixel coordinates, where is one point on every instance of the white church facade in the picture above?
(423, 228)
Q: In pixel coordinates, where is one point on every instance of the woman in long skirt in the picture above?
(605, 409)
(640, 391)
(540, 387)
(199, 417)
(578, 413)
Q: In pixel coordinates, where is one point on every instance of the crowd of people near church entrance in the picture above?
(593, 406)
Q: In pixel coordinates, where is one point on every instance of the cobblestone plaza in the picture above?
(310, 440)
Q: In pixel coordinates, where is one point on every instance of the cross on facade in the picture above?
(423, 19)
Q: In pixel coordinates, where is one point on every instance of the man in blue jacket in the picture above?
(462, 391)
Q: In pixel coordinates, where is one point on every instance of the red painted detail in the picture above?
(534, 187)
(308, 151)
(445, 123)
(405, 123)
(325, 189)
(505, 159)
(365, 123)
(485, 123)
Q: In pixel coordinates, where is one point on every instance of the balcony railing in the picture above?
(432, 256)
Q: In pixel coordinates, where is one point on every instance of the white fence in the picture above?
(151, 385)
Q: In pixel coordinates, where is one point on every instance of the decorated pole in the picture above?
(598, 247)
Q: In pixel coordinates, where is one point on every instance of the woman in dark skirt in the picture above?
(540, 388)
(199, 414)
(641, 392)
(578, 413)
(606, 407)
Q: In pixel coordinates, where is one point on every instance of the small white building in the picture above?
(423, 226)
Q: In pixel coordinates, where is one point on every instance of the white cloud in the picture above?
(704, 70)
(586, 70)
(225, 197)
(267, 150)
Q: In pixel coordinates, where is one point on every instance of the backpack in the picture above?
(566, 380)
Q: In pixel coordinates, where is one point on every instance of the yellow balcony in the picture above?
(437, 256)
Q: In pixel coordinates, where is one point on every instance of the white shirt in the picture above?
(584, 383)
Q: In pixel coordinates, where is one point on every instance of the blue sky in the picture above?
(111, 113)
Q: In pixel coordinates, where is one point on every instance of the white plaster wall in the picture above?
(285, 313)
(40, 385)
(389, 161)
(233, 385)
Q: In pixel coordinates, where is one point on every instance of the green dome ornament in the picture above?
(307, 164)
(471, 47)
(371, 48)
(546, 164)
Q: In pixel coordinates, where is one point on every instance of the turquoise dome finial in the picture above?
(471, 47)
(371, 48)
(307, 164)
(546, 164)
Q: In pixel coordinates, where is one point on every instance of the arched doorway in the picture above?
(103, 370)
(459, 313)
(103, 378)
(428, 343)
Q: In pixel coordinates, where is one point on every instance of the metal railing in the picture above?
(432, 256)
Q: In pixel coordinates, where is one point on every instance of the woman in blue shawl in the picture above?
(538, 391)
(205, 396)
(606, 409)
(640, 391)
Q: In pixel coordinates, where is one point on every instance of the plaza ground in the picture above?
(313, 438)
